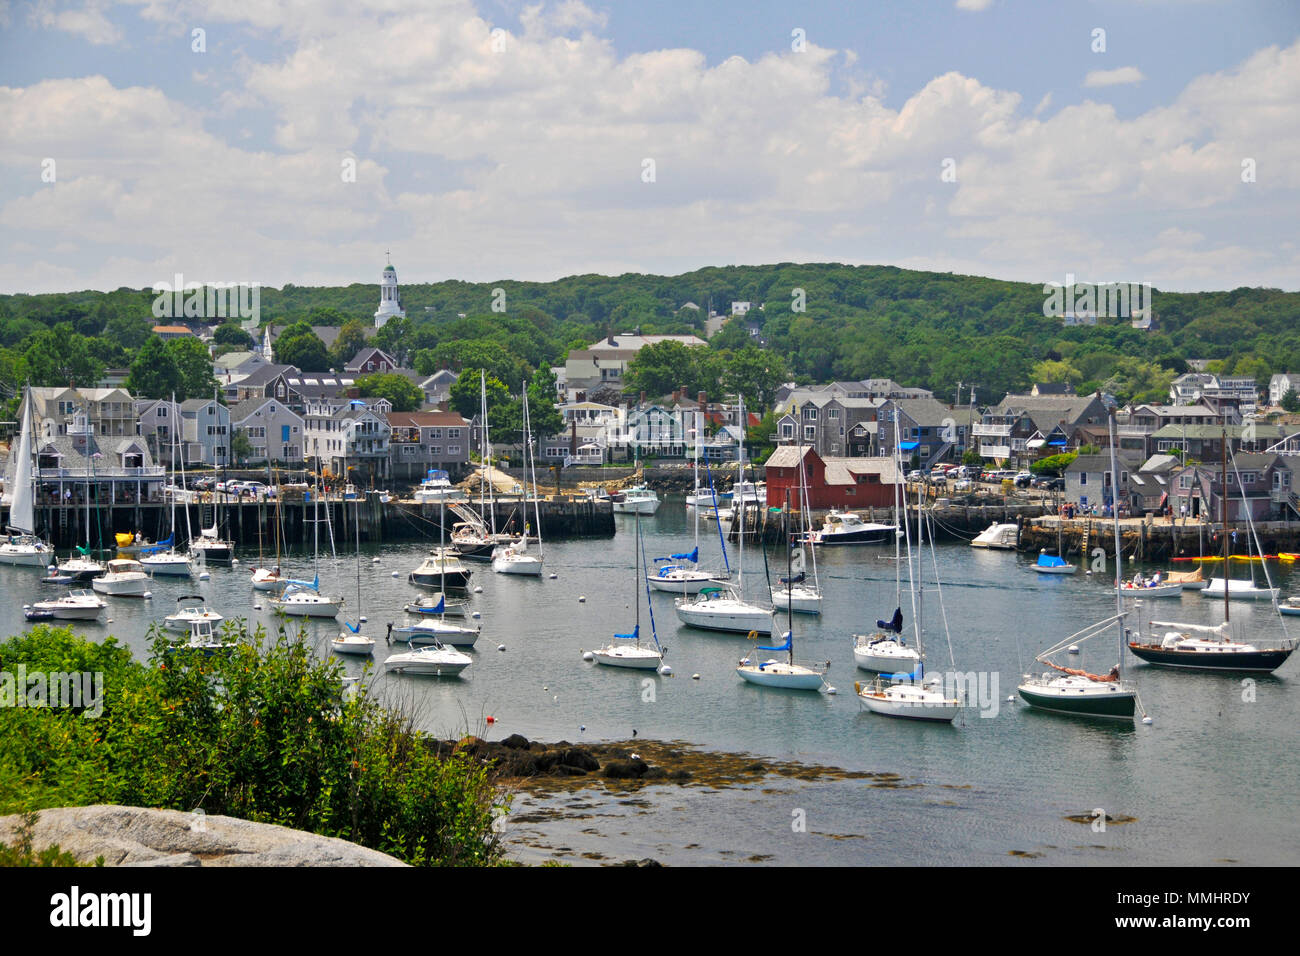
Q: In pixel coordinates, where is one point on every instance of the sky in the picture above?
(301, 142)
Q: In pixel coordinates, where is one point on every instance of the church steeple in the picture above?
(390, 299)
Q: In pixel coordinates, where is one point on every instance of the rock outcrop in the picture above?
(135, 836)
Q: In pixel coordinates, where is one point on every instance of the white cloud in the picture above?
(974, 6)
(87, 22)
(527, 163)
(1118, 77)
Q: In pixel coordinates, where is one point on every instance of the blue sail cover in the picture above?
(354, 628)
(1050, 561)
(155, 548)
(895, 624)
(635, 635)
(796, 579)
(784, 647)
(692, 556)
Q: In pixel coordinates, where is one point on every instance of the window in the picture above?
(435, 449)
(453, 449)
(1083, 477)
(810, 432)
(1184, 482)
(453, 432)
(787, 430)
(810, 414)
(833, 414)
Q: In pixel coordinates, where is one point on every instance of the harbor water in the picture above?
(1206, 783)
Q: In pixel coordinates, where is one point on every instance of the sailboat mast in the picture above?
(1119, 550)
(1223, 505)
(789, 586)
(636, 577)
(698, 426)
(738, 506)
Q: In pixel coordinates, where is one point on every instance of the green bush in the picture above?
(261, 733)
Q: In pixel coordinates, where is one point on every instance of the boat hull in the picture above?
(804, 601)
(736, 619)
(1159, 591)
(873, 657)
(782, 676)
(939, 711)
(26, 559)
(1249, 661)
(121, 586)
(690, 582)
(627, 657)
(1114, 704)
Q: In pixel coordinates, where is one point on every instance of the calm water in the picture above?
(1209, 782)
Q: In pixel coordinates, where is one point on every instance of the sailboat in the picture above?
(272, 578)
(351, 640)
(81, 566)
(1215, 647)
(886, 650)
(687, 578)
(23, 546)
(437, 629)
(473, 539)
(724, 608)
(909, 695)
(514, 558)
(1071, 690)
(626, 650)
(303, 598)
(788, 674)
(793, 591)
(163, 558)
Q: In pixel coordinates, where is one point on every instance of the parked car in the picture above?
(253, 488)
(1023, 479)
(963, 484)
(203, 484)
(938, 478)
(916, 475)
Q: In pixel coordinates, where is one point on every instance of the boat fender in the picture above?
(752, 636)
(857, 687)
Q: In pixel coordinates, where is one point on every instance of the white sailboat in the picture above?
(687, 577)
(724, 608)
(163, 558)
(793, 591)
(788, 674)
(351, 640)
(911, 695)
(626, 650)
(302, 598)
(886, 651)
(80, 566)
(23, 546)
(437, 629)
(515, 558)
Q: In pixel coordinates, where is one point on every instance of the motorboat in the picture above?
(639, 500)
(1152, 587)
(433, 660)
(203, 639)
(437, 487)
(195, 610)
(845, 527)
(1000, 536)
(122, 577)
(78, 605)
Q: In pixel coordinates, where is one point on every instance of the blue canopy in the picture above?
(909, 445)
(156, 547)
(1050, 561)
(1058, 442)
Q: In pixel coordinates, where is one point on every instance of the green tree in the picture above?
(405, 395)
(755, 374)
(465, 393)
(546, 418)
(154, 373)
(195, 367)
(240, 447)
(1291, 401)
(660, 368)
(59, 357)
(351, 340)
(230, 333)
(302, 349)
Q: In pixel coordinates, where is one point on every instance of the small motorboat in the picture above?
(1290, 606)
(185, 617)
(1000, 536)
(1053, 564)
(1152, 587)
(432, 660)
(79, 605)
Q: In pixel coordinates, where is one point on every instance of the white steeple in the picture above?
(390, 300)
(267, 353)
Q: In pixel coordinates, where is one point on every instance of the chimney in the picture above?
(677, 393)
(703, 399)
(354, 393)
(643, 398)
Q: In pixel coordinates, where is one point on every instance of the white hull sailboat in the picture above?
(626, 650)
(1238, 590)
(515, 558)
(23, 547)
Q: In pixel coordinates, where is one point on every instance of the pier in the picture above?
(249, 522)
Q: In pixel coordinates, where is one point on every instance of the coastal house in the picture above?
(1205, 442)
(371, 361)
(205, 422)
(422, 440)
(1088, 481)
(1023, 428)
(940, 431)
(78, 463)
(351, 440)
(1260, 485)
(1280, 384)
(275, 431)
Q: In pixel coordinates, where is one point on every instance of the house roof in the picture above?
(250, 406)
(1204, 432)
(925, 412)
(426, 420)
(263, 375)
(193, 404)
(365, 355)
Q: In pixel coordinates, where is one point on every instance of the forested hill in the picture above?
(919, 328)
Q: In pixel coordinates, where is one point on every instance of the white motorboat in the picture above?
(1291, 606)
(845, 527)
(437, 487)
(122, 577)
(78, 605)
(998, 536)
(702, 498)
(301, 599)
(639, 500)
(749, 494)
(434, 660)
(185, 617)
(202, 639)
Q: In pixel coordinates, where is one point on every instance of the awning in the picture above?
(1035, 443)
(909, 445)
(1057, 443)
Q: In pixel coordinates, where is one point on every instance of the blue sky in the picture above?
(527, 161)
